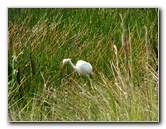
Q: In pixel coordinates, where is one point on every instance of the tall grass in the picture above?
(124, 86)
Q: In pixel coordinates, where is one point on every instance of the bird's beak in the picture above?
(62, 64)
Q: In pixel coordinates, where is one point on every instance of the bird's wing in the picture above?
(84, 66)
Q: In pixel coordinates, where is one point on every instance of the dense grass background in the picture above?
(39, 89)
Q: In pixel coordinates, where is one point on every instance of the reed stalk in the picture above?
(125, 48)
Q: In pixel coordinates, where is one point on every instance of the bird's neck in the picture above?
(77, 69)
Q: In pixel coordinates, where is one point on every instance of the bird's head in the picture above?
(65, 61)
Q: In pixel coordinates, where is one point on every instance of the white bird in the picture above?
(82, 67)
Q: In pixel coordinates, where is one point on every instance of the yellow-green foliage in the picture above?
(41, 90)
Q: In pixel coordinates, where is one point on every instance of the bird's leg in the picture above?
(89, 80)
(90, 84)
(85, 80)
(81, 78)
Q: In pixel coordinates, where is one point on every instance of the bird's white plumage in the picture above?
(85, 67)
(82, 67)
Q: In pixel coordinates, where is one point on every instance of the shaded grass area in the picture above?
(41, 90)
